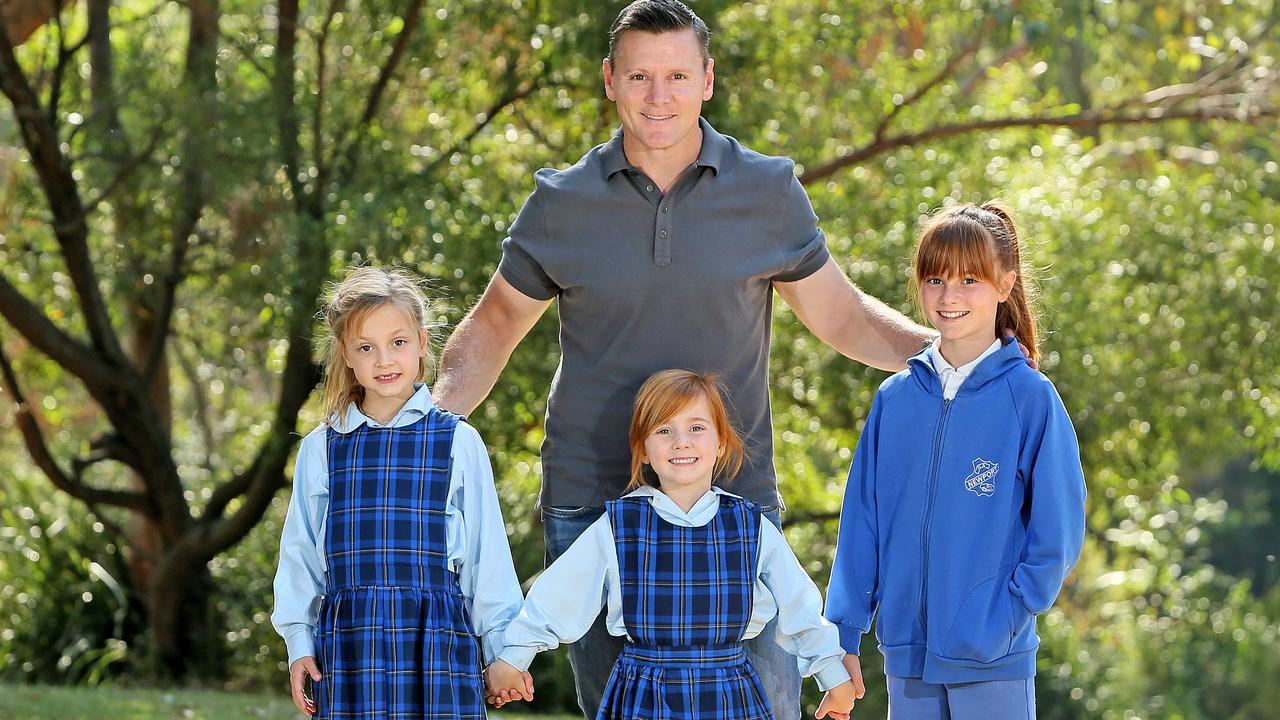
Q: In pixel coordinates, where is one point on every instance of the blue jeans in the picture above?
(592, 657)
(915, 699)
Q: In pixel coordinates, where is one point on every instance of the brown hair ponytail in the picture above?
(1016, 313)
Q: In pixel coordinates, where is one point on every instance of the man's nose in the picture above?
(659, 91)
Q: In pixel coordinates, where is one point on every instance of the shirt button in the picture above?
(649, 188)
(665, 208)
(662, 233)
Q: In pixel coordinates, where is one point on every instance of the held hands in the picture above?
(838, 702)
(503, 684)
(302, 667)
(854, 666)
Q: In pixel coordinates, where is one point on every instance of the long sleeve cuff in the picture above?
(831, 675)
(300, 645)
(850, 638)
(491, 646)
(519, 657)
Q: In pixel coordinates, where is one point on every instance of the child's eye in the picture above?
(662, 431)
(970, 281)
(400, 342)
(933, 281)
(365, 348)
(698, 428)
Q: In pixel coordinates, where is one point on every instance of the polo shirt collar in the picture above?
(613, 159)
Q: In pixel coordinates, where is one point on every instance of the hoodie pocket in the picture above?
(983, 627)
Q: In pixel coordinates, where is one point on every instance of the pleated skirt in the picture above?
(700, 683)
(397, 652)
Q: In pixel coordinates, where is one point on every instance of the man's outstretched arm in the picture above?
(852, 322)
(482, 343)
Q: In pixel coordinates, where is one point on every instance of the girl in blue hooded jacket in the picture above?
(964, 509)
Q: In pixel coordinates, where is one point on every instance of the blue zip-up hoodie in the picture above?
(961, 520)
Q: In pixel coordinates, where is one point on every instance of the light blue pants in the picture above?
(915, 699)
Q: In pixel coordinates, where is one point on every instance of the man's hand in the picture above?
(301, 668)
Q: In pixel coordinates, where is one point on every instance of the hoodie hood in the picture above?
(1008, 357)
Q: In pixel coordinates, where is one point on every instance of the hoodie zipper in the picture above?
(928, 512)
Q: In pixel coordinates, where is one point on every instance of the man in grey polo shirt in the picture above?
(662, 248)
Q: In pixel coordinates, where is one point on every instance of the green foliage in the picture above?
(1156, 245)
(62, 598)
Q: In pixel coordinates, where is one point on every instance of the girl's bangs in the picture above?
(957, 246)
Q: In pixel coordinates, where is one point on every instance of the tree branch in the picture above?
(72, 484)
(317, 112)
(945, 74)
(126, 168)
(285, 88)
(512, 96)
(201, 78)
(30, 321)
(349, 140)
(41, 140)
(1078, 121)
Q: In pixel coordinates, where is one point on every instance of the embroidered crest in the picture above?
(982, 481)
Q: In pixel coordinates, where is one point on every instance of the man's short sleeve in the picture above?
(520, 264)
(803, 246)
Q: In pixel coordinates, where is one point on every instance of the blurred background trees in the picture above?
(179, 180)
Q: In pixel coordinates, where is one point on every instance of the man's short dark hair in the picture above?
(658, 16)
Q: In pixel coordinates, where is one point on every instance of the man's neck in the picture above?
(665, 165)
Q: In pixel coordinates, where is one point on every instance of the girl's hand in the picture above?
(837, 703)
(503, 684)
(300, 668)
(854, 666)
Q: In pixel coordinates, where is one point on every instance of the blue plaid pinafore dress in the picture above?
(393, 639)
(686, 602)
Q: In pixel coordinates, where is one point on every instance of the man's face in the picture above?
(659, 83)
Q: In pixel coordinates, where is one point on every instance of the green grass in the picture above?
(29, 702)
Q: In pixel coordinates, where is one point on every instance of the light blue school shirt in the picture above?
(567, 597)
(476, 535)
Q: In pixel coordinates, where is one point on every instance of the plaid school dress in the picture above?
(393, 639)
(686, 602)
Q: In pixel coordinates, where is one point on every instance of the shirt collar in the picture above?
(700, 514)
(941, 366)
(613, 159)
(417, 406)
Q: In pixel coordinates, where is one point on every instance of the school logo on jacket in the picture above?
(982, 481)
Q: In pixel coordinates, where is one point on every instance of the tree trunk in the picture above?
(185, 623)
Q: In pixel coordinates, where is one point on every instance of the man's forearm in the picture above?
(469, 368)
(878, 335)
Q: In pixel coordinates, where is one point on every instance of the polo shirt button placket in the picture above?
(662, 242)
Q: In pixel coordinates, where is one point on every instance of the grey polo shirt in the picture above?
(646, 281)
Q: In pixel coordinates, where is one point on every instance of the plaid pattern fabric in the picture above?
(686, 601)
(393, 638)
